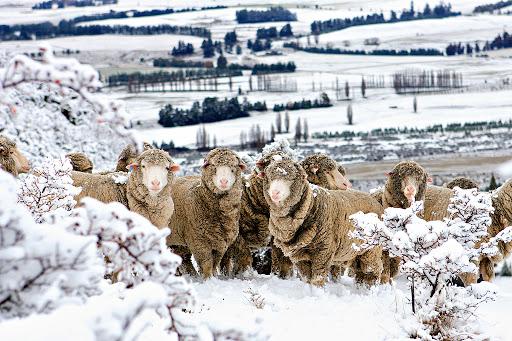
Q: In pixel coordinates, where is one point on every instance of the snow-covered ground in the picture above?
(296, 311)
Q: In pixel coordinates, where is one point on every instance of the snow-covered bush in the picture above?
(136, 252)
(48, 189)
(432, 253)
(41, 266)
(50, 108)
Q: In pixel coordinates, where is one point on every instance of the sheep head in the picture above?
(407, 182)
(80, 162)
(325, 172)
(155, 169)
(284, 184)
(462, 182)
(12, 159)
(222, 169)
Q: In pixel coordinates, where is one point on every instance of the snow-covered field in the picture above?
(296, 311)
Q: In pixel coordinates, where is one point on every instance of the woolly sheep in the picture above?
(311, 224)
(150, 185)
(80, 162)
(325, 172)
(146, 190)
(207, 210)
(406, 183)
(437, 200)
(12, 159)
(462, 182)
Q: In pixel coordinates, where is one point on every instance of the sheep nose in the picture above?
(223, 181)
(275, 192)
(155, 183)
(409, 189)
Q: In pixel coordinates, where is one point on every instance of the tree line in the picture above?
(182, 49)
(438, 128)
(47, 30)
(210, 110)
(174, 62)
(272, 33)
(272, 14)
(492, 7)
(440, 11)
(323, 102)
(501, 41)
(279, 67)
(377, 52)
(423, 80)
(71, 3)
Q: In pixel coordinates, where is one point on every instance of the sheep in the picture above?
(406, 183)
(311, 224)
(437, 200)
(12, 159)
(146, 190)
(80, 162)
(462, 182)
(325, 172)
(149, 186)
(207, 210)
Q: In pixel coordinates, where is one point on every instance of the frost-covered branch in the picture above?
(431, 254)
(48, 189)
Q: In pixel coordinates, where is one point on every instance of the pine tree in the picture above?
(506, 270)
(279, 126)
(222, 62)
(305, 129)
(350, 114)
(298, 131)
(347, 90)
(287, 122)
(415, 104)
(363, 87)
(492, 185)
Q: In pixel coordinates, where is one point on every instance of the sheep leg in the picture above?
(281, 265)
(204, 259)
(186, 266)
(217, 257)
(368, 267)
(336, 272)
(320, 267)
(304, 270)
(487, 269)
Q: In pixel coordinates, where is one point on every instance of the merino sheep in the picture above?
(311, 224)
(80, 162)
(325, 172)
(12, 159)
(462, 182)
(406, 183)
(437, 200)
(146, 190)
(207, 210)
(149, 186)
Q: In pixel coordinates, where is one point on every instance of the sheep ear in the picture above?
(261, 175)
(174, 167)
(388, 174)
(132, 166)
(242, 166)
(206, 164)
(429, 180)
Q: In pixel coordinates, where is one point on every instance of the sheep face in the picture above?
(155, 170)
(284, 184)
(222, 168)
(324, 171)
(408, 181)
(279, 191)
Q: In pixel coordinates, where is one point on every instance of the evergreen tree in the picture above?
(347, 90)
(286, 31)
(298, 131)
(415, 104)
(506, 270)
(363, 87)
(492, 185)
(305, 129)
(287, 122)
(238, 50)
(208, 48)
(350, 114)
(279, 126)
(222, 62)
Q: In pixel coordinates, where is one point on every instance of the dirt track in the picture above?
(445, 164)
